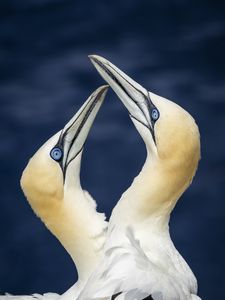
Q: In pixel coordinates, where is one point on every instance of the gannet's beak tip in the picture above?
(100, 93)
(93, 56)
(102, 89)
(97, 58)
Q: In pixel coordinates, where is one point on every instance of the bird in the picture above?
(51, 184)
(140, 260)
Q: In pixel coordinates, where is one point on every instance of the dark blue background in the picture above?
(173, 48)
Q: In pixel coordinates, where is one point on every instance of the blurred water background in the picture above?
(173, 48)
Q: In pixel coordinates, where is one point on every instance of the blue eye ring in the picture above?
(56, 153)
(155, 114)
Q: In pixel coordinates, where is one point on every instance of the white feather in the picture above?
(126, 268)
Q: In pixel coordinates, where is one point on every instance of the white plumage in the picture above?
(140, 259)
(127, 268)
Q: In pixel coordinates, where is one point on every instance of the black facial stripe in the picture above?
(140, 122)
(67, 164)
(151, 129)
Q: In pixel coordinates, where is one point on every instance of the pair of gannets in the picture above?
(134, 258)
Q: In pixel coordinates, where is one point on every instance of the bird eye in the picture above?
(155, 114)
(56, 154)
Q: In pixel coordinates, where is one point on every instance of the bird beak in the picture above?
(133, 95)
(74, 134)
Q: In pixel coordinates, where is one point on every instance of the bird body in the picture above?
(51, 184)
(140, 259)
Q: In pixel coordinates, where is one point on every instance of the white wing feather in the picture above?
(127, 269)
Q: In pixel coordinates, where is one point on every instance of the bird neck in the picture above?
(153, 194)
(145, 210)
(66, 209)
(79, 228)
(76, 224)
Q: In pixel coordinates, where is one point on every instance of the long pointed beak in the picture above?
(133, 95)
(74, 134)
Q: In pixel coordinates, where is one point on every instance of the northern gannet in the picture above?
(51, 184)
(140, 260)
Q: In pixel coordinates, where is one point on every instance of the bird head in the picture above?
(169, 132)
(55, 167)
